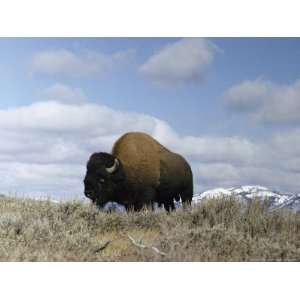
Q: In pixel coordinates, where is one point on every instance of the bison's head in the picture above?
(104, 178)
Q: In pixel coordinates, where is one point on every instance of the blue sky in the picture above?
(228, 104)
(237, 59)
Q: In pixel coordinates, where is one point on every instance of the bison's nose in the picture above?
(88, 188)
(89, 193)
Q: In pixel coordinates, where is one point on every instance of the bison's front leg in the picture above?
(144, 198)
(147, 198)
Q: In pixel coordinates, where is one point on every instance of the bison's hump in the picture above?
(140, 156)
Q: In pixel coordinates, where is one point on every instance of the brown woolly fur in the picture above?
(148, 163)
(216, 230)
(133, 150)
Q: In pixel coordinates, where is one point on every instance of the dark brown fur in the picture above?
(148, 172)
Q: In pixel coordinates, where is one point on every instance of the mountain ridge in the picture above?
(247, 193)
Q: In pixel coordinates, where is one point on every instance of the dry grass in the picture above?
(218, 230)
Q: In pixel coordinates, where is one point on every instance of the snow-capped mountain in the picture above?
(248, 192)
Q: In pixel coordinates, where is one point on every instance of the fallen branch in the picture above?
(145, 247)
(102, 247)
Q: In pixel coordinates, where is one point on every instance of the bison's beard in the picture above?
(103, 197)
(96, 197)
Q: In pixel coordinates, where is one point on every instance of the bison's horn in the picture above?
(113, 167)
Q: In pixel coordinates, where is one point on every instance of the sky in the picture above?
(231, 106)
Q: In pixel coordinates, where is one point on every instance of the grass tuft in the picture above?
(216, 230)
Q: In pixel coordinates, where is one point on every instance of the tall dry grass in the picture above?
(217, 230)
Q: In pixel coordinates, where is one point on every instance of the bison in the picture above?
(138, 172)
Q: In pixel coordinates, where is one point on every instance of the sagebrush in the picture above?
(216, 230)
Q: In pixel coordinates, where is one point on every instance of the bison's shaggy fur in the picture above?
(138, 172)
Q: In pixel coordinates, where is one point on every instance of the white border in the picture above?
(149, 280)
(119, 18)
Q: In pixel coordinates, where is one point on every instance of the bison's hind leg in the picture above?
(169, 205)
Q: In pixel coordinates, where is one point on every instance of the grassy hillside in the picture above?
(219, 230)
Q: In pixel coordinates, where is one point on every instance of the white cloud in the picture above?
(46, 145)
(63, 93)
(86, 64)
(184, 61)
(216, 149)
(248, 95)
(266, 101)
(288, 142)
(220, 174)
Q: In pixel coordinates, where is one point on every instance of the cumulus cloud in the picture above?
(221, 174)
(216, 149)
(70, 64)
(63, 93)
(46, 145)
(265, 101)
(248, 95)
(181, 62)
